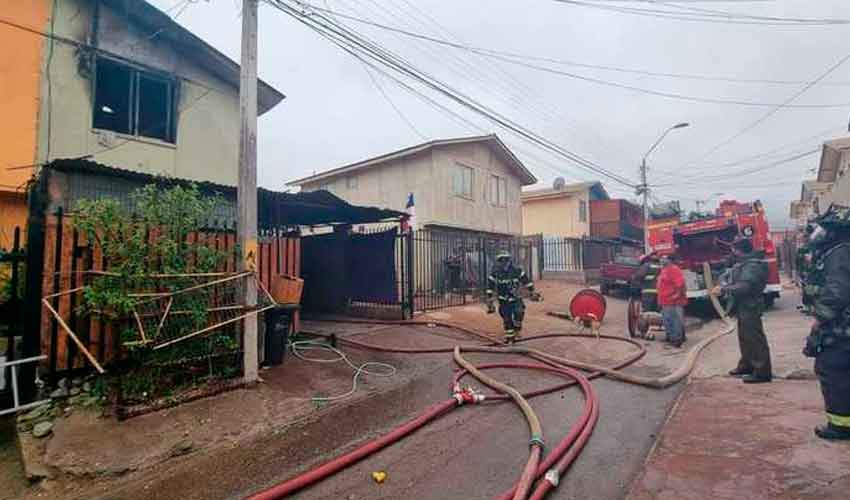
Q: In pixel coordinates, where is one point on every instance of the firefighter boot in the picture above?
(833, 432)
(510, 336)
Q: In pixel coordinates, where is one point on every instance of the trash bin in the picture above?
(278, 325)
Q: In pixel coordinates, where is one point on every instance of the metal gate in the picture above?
(450, 268)
(11, 324)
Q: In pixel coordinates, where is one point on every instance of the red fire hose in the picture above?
(337, 464)
(561, 457)
(582, 428)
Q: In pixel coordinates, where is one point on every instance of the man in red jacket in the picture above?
(672, 297)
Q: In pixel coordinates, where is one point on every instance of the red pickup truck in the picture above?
(617, 275)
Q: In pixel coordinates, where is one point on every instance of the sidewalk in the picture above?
(727, 440)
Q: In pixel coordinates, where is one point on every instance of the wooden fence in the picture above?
(69, 258)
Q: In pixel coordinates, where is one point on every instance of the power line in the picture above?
(642, 72)
(516, 59)
(719, 17)
(773, 111)
(355, 42)
(392, 104)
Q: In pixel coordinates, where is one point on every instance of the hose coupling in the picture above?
(536, 440)
(468, 395)
(553, 476)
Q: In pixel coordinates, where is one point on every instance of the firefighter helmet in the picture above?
(503, 255)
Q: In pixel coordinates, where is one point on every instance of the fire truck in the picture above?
(706, 239)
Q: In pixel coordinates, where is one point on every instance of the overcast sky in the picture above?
(334, 112)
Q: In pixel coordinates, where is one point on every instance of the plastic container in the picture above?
(286, 289)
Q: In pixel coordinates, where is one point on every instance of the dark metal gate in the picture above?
(11, 317)
(450, 268)
(364, 273)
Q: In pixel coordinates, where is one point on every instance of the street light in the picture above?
(643, 187)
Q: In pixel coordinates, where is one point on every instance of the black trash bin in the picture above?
(278, 327)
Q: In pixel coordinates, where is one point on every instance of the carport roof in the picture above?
(274, 209)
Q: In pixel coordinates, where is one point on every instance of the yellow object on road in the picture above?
(379, 476)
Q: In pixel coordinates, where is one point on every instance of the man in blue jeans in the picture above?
(672, 297)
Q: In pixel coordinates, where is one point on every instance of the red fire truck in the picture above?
(701, 240)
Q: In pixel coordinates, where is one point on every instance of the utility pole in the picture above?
(643, 187)
(644, 190)
(246, 193)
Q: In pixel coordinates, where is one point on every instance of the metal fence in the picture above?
(11, 330)
(580, 254)
(450, 268)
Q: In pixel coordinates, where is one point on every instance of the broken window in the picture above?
(134, 102)
(112, 104)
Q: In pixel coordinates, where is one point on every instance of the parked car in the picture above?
(617, 275)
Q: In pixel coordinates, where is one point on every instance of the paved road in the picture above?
(471, 453)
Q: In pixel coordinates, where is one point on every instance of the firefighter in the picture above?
(505, 281)
(828, 282)
(645, 279)
(748, 278)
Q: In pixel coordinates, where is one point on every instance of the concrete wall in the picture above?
(428, 176)
(557, 216)
(208, 111)
(20, 73)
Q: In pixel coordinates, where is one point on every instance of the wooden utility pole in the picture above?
(247, 190)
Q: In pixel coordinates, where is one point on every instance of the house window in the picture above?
(462, 181)
(134, 102)
(582, 211)
(351, 182)
(498, 191)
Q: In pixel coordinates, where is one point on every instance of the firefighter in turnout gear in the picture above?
(748, 278)
(505, 281)
(645, 279)
(828, 283)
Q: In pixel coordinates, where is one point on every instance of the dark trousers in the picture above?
(512, 313)
(649, 302)
(755, 352)
(832, 367)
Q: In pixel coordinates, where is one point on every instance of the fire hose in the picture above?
(554, 465)
(565, 452)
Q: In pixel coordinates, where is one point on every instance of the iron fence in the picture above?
(561, 254)
(450, 268)
(11, 319)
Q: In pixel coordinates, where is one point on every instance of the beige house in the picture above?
(469, 184)
(129, 87)
(833, 183)
(562, 211)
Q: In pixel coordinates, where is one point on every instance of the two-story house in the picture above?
(118, 82)
(469, 185)
(562, 210)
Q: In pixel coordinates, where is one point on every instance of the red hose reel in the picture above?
(588, 306)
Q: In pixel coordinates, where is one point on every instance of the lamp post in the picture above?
(643, 187)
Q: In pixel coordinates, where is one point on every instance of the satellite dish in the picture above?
(559, 183)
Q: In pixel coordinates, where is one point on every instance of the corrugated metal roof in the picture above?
(275, 209)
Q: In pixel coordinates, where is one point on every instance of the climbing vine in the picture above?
(155, 235)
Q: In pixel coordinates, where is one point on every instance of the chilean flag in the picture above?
(410, 207)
